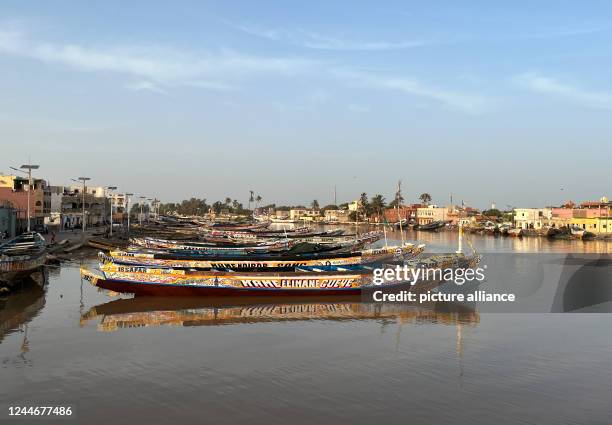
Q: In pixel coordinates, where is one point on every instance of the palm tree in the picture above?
(228, 201)
(377, 204)
(251, 199)
(258, 200)
(425, 198)
(315, 205)
(364, 205)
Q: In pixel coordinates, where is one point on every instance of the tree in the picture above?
(258, 200)
(315, 205)
(228, 201)
(251, 197)
(425, 198)
(330, 207)
(493, 212)
(377, 204)
(364, 205)
(217, 207)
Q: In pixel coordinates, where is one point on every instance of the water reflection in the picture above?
(155, 311)
(22, 305)
(443, 240)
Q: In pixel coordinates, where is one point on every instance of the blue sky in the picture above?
(505, 102)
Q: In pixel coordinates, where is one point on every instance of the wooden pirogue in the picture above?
(21, 256)
(330, 280)
(263, 262)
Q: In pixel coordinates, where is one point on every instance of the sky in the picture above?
(488, 102)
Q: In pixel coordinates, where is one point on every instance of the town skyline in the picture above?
(407, 197)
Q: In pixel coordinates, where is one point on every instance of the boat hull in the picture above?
(153, 289)
(15, 271)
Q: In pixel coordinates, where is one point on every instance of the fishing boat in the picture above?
(282, 220)
(263, 262)
(580, 233)
(335, 280)
(434, 225)
(20, 257)
(402, 224)
(550, 232)
(504, 228)
(300, 232)
(515, 232)
(204, 247)
(240, 226)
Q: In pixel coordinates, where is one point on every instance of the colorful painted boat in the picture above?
(142, 280)
(172, 282)
(257, 263)
(204, 248)
(221, 226)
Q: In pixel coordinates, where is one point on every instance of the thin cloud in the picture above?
(158, 67)
(145, 86)
(314, 40)
(358, 108)
(550, 86)
(472, 104)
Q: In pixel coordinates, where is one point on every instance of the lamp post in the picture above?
(28, 167)
(112, 202)
(127, 207)
(149, 209)
(142, 198)
(83, 180)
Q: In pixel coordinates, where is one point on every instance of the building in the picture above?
(55, 211)
(96, 208)
(8, 220)
(532, 218)
(405, 212)
(15, 190)
(337, 216)
(304, 214)
(118, 203)
(431, 213)
(355, 205)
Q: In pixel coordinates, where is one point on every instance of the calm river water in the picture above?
(120, 360)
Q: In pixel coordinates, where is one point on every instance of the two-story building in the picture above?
(304, 215)
(337, 216)
(16, 191)
(431, 213)
(532, 218)
(73, 200)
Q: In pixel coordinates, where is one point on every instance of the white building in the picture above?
(532, 218)
(432, 213)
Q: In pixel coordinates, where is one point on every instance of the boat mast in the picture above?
(398, 197)
(460, 244)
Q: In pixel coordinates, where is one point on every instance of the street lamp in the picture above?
(149, 209)
(112, 202)
(28, 167)
(82, 179)
(140, 216)
(127, 208)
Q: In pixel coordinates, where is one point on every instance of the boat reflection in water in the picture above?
(156, 311)
(23, 305)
